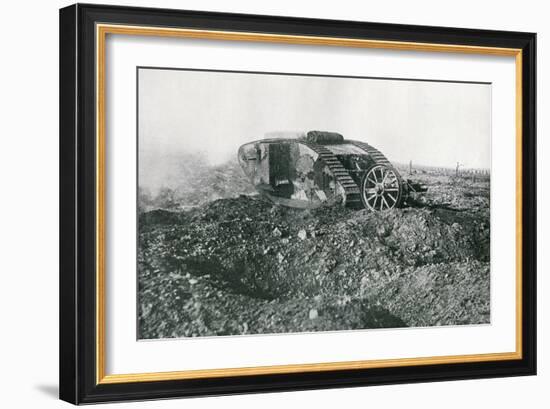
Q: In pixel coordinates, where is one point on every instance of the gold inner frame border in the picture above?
(102, 30)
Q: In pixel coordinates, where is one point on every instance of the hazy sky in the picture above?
(430, 123)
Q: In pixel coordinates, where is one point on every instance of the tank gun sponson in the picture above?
(322, 168)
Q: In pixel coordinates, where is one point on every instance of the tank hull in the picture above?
(320, 169)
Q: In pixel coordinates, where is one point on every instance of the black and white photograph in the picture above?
(290, 203)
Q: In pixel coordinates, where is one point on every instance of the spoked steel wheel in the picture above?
(380, 188)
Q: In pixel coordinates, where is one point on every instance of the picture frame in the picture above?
(84, 178)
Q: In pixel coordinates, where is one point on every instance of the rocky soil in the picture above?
(241, 265)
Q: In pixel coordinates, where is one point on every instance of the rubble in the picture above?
(227, 267)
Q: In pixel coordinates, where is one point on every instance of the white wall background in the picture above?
(29, 205)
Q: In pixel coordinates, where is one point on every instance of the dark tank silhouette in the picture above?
(320, 168)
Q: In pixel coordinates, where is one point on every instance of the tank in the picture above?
(322, 168)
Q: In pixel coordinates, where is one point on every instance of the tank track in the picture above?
(342, 176)
(374, 153)
(379, 159)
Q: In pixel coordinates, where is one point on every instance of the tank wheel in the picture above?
(380, 188)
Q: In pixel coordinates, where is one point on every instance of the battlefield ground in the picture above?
(216, 259)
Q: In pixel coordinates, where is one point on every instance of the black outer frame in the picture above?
(77, 204)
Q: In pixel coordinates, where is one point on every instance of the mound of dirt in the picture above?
(246, 266)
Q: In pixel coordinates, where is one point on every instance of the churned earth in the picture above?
(242, 265)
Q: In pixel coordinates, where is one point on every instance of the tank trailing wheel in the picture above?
(380, 188)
